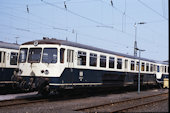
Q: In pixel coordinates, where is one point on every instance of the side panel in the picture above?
(6, 74)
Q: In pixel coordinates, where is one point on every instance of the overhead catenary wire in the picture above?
(66, 28)
(152, 9)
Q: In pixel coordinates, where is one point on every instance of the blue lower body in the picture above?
(6, 74)
(88, 77)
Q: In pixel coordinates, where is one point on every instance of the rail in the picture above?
(124, 105)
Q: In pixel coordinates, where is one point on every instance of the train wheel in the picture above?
(44, 91)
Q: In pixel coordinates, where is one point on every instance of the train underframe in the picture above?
(6, 77)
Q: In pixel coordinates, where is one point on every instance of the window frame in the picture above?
(142, 66)
(63, 55)
(48, 57)
(81, 58)
(103, 60)
(16, 58)
(112, 61)
(25, 60)
(147, 67)
(93, 56)
(132, 65)
(119, 63)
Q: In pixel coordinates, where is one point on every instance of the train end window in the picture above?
(13, 58)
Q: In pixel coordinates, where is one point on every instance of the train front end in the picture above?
(38, 65)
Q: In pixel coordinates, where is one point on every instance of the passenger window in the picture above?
(49, 55)
(137, 66)
(62, 50)
(126, 64)
(93, 59)
(13, 58)
(0, 56)
(111, 62)
(158, 69)
(70, 54)
(81, 58)
(4, 57)
(143, 66)
(119, 63)
(165, 69)
(147, 66)
(151, 68)
(102, 61)
(132, 65)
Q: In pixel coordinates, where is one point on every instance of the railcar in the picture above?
(8, 62)
(54, 64)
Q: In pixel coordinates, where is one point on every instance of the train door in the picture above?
(70, 58)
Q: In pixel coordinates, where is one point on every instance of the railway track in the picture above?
(125, 105)
(15, 102)
(99, 108)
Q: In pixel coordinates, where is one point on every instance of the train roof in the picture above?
(73, 44)
(9, 45)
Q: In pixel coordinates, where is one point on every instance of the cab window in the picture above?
(34, 55)
(49, 55)
(23, 55)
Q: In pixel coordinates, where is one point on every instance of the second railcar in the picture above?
(8, 62)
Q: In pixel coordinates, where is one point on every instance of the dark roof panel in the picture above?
(73, 44)
(9, 45)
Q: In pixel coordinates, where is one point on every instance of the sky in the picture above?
(106, 24)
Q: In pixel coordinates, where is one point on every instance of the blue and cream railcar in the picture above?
(61, 64)
(8, 61)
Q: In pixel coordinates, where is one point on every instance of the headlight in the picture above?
(20, 71)
(46, 72)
